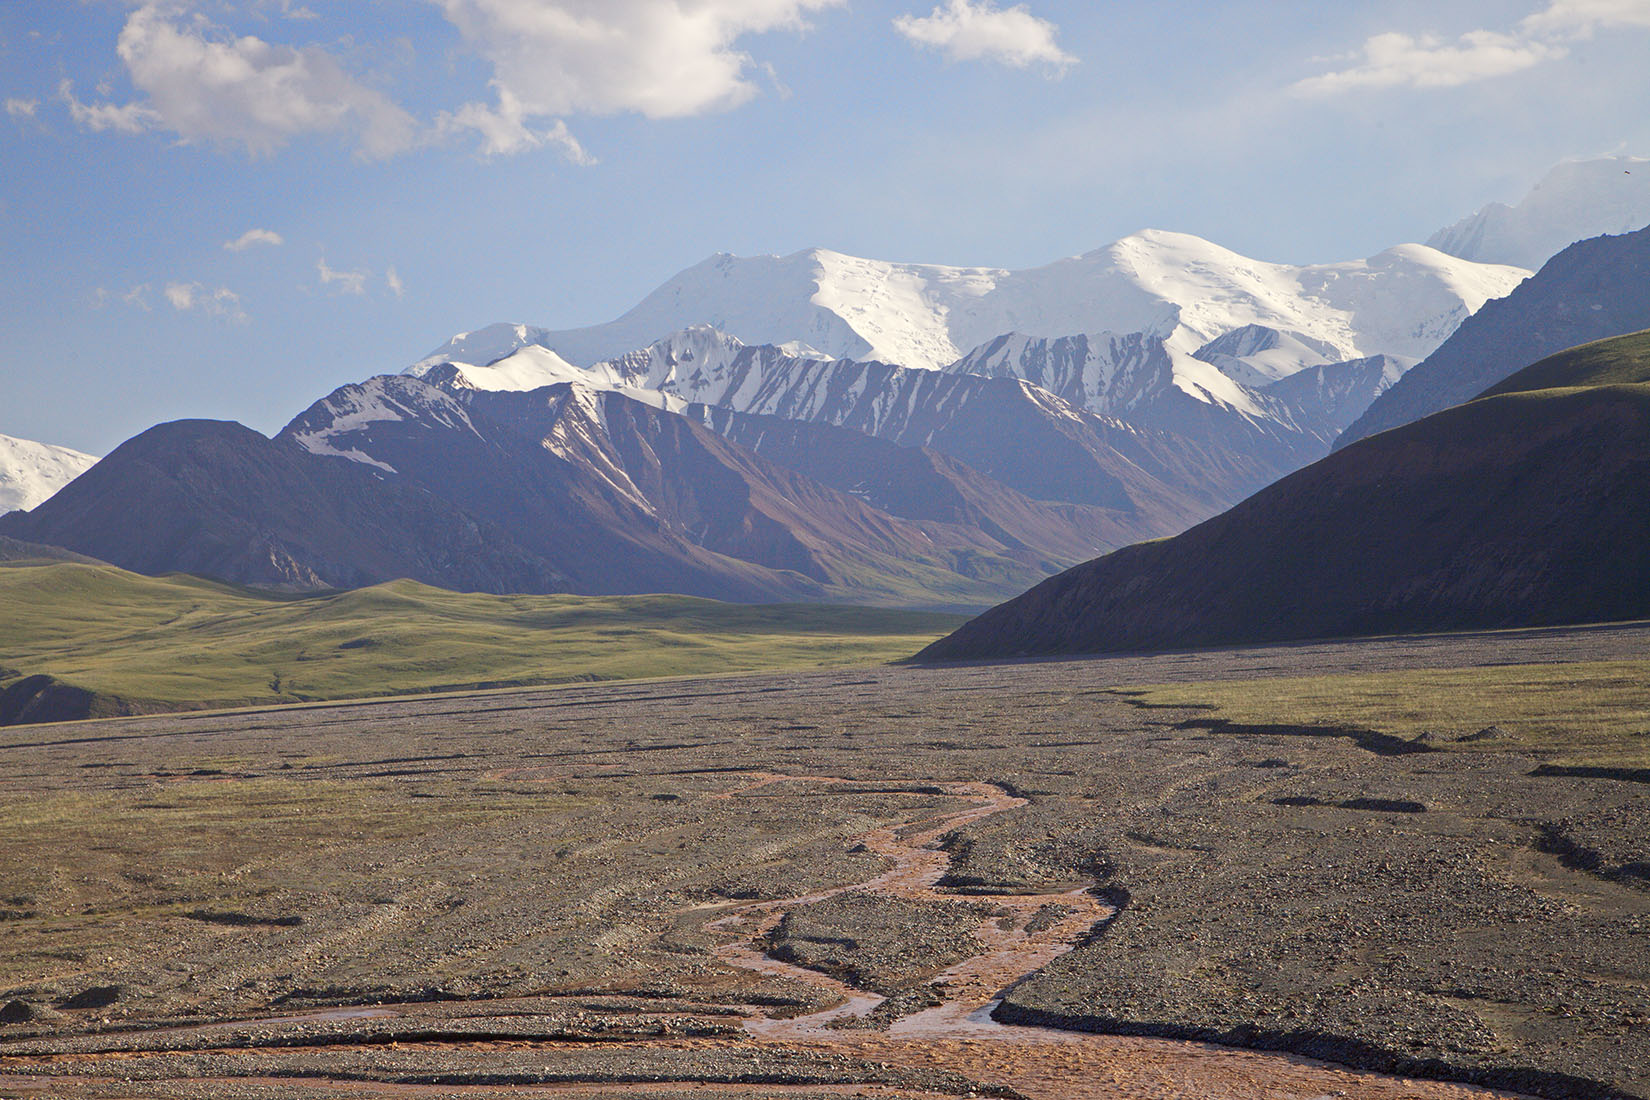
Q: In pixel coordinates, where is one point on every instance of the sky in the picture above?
(227, 208)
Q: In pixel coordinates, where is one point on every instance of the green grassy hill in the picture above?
(1622, 361)
(179, 642)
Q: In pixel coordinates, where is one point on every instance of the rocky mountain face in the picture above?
(31, 472)
(1125, 423)
(1526, 507)
(1592, 290)
(550, 463)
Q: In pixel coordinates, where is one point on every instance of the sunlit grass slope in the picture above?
(195, 643)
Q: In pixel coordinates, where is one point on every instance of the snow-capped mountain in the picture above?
(1178, 287)
(1576, 200)
(31, 472)
(1134, 377)
(1257, 356)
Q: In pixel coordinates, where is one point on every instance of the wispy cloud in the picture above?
(1582, 18)
(505, 129)
(343, 282)
(136, 296)
(254, 236)
(1396, 59)
(127, 118)
(22, 108)
(392, 279)
(978, 30)
(196, 297)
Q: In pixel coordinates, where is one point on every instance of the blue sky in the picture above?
(226, 208)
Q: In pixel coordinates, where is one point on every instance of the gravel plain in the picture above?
(520, 893)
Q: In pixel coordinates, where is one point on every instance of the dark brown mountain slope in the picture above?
(218, 499)
(1517, 509)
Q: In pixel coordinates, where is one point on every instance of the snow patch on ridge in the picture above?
(352, 410)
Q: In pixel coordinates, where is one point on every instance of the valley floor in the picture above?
(868, 883)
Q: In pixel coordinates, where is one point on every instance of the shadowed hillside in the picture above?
(1528, 506)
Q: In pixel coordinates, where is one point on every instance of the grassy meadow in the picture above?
(194, 643)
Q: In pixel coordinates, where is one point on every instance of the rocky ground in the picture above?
(548, 892)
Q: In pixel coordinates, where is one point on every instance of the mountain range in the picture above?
(558, 489)
(1181, 288)
(821, 427)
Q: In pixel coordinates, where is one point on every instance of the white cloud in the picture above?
(348, 282)
(1426, 61)
(196, 297)
(1581, 18)
(182, 295)
(978, 30)
(550, 60)
(505, 130)
(1391, 60)
(289, 10)
(254, 236)
(22, 108)
(204, 85)
(393, 280)
(657, 58)
(130, 118)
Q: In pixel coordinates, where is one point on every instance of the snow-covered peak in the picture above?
(30, 472)
(481, 347)
(526, 368)
(1576, 200)
(698, 352)
(1179, 287)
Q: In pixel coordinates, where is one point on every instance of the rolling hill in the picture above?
(89, 640)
